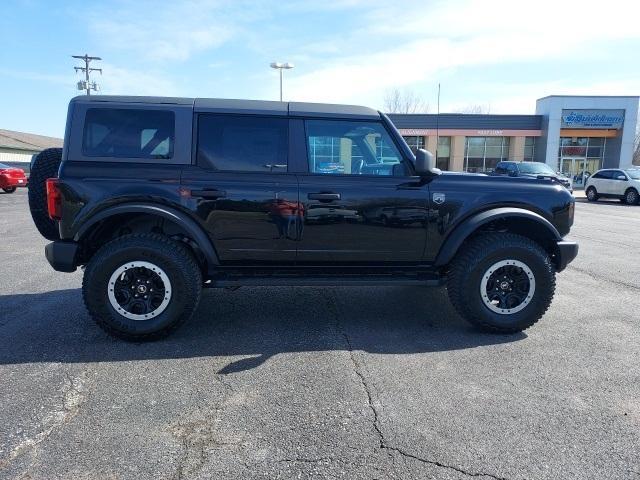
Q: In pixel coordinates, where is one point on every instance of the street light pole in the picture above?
(281, 66)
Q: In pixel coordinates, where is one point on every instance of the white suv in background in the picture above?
(613, 183)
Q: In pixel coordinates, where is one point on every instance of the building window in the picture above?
(529, 149)
(482, 154)
(414, 142)
(444, 153)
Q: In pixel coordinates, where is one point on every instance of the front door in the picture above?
(575, 168)
(359, 204)
(244, 195)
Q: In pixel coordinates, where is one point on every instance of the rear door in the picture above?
(619, 182)
(241, 187)
(359, 201)
(603, 181)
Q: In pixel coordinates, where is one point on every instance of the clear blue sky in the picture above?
(500, 54)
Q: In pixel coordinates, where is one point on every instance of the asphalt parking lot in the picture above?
(325, 383)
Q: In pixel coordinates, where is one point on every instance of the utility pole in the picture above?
(86, 84)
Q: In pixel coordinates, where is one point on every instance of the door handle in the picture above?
(324, 196)
(209, 193)
(271, 166)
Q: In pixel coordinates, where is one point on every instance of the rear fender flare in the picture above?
(193, 229)
(461, 232)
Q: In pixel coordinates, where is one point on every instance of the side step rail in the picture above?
(324, 281)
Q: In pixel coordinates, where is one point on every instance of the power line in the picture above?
(87, 84)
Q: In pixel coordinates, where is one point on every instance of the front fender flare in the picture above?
(461, 232)
(194, 230)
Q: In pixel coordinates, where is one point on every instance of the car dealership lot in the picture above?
(325, 383)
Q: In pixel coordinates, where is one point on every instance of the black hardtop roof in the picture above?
(227, 105)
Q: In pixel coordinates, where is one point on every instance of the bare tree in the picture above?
(407, 101)
(474, 108)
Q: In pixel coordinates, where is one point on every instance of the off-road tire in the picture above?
(592, 194)
(45, 165)
(631, 196)
(173, 258)
(472, 262)
(9, 189)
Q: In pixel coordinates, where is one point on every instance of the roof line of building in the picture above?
(590, 96)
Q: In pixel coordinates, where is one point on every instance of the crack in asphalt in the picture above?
(603, 278)
(198, 437)
(72, 398)
(383, 444)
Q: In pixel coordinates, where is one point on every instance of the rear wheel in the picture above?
(631, 196)
(592, 194)
(501, 282)
(45, 165)
(9, 189)
(142, 287)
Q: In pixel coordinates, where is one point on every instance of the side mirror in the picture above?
(426, 163)
(621, 177)
(513, 173)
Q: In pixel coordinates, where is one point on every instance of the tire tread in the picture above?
(473, 253)
(158, 242)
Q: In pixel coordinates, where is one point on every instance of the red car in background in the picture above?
(11, 178)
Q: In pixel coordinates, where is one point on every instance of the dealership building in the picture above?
(573, 134)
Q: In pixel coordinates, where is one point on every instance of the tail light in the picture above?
(54, 199)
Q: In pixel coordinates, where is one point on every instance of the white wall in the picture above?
(14, 157)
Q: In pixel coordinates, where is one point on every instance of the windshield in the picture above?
(635, 173)
(2, 165)
(536, 168)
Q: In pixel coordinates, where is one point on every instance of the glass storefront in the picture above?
(482, 154)
(580, 157)
(444, 153)
(414, 142)
(529, 149)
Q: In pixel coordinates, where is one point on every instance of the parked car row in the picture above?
(11, 178)
(532, 170)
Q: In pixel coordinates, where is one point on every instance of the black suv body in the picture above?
(182, 194)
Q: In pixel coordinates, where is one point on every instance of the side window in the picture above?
(618, 173)
(606, 174)
(128, 133)
(244, 143)
(511, 168)
(351, 148)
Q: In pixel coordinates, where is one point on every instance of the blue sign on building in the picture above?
(592, 118)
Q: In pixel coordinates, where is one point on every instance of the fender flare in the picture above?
(462, 231)
(194, 230)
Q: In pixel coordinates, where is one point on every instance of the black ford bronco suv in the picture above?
(159, 197)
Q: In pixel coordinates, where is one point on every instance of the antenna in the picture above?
(86, 84)
(438, 124)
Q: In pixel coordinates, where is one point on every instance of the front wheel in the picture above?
(9, 189)
(501, 282)
(142, 287)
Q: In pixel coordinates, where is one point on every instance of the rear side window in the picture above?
(244, 143)
(128, 133)
(604, 174)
